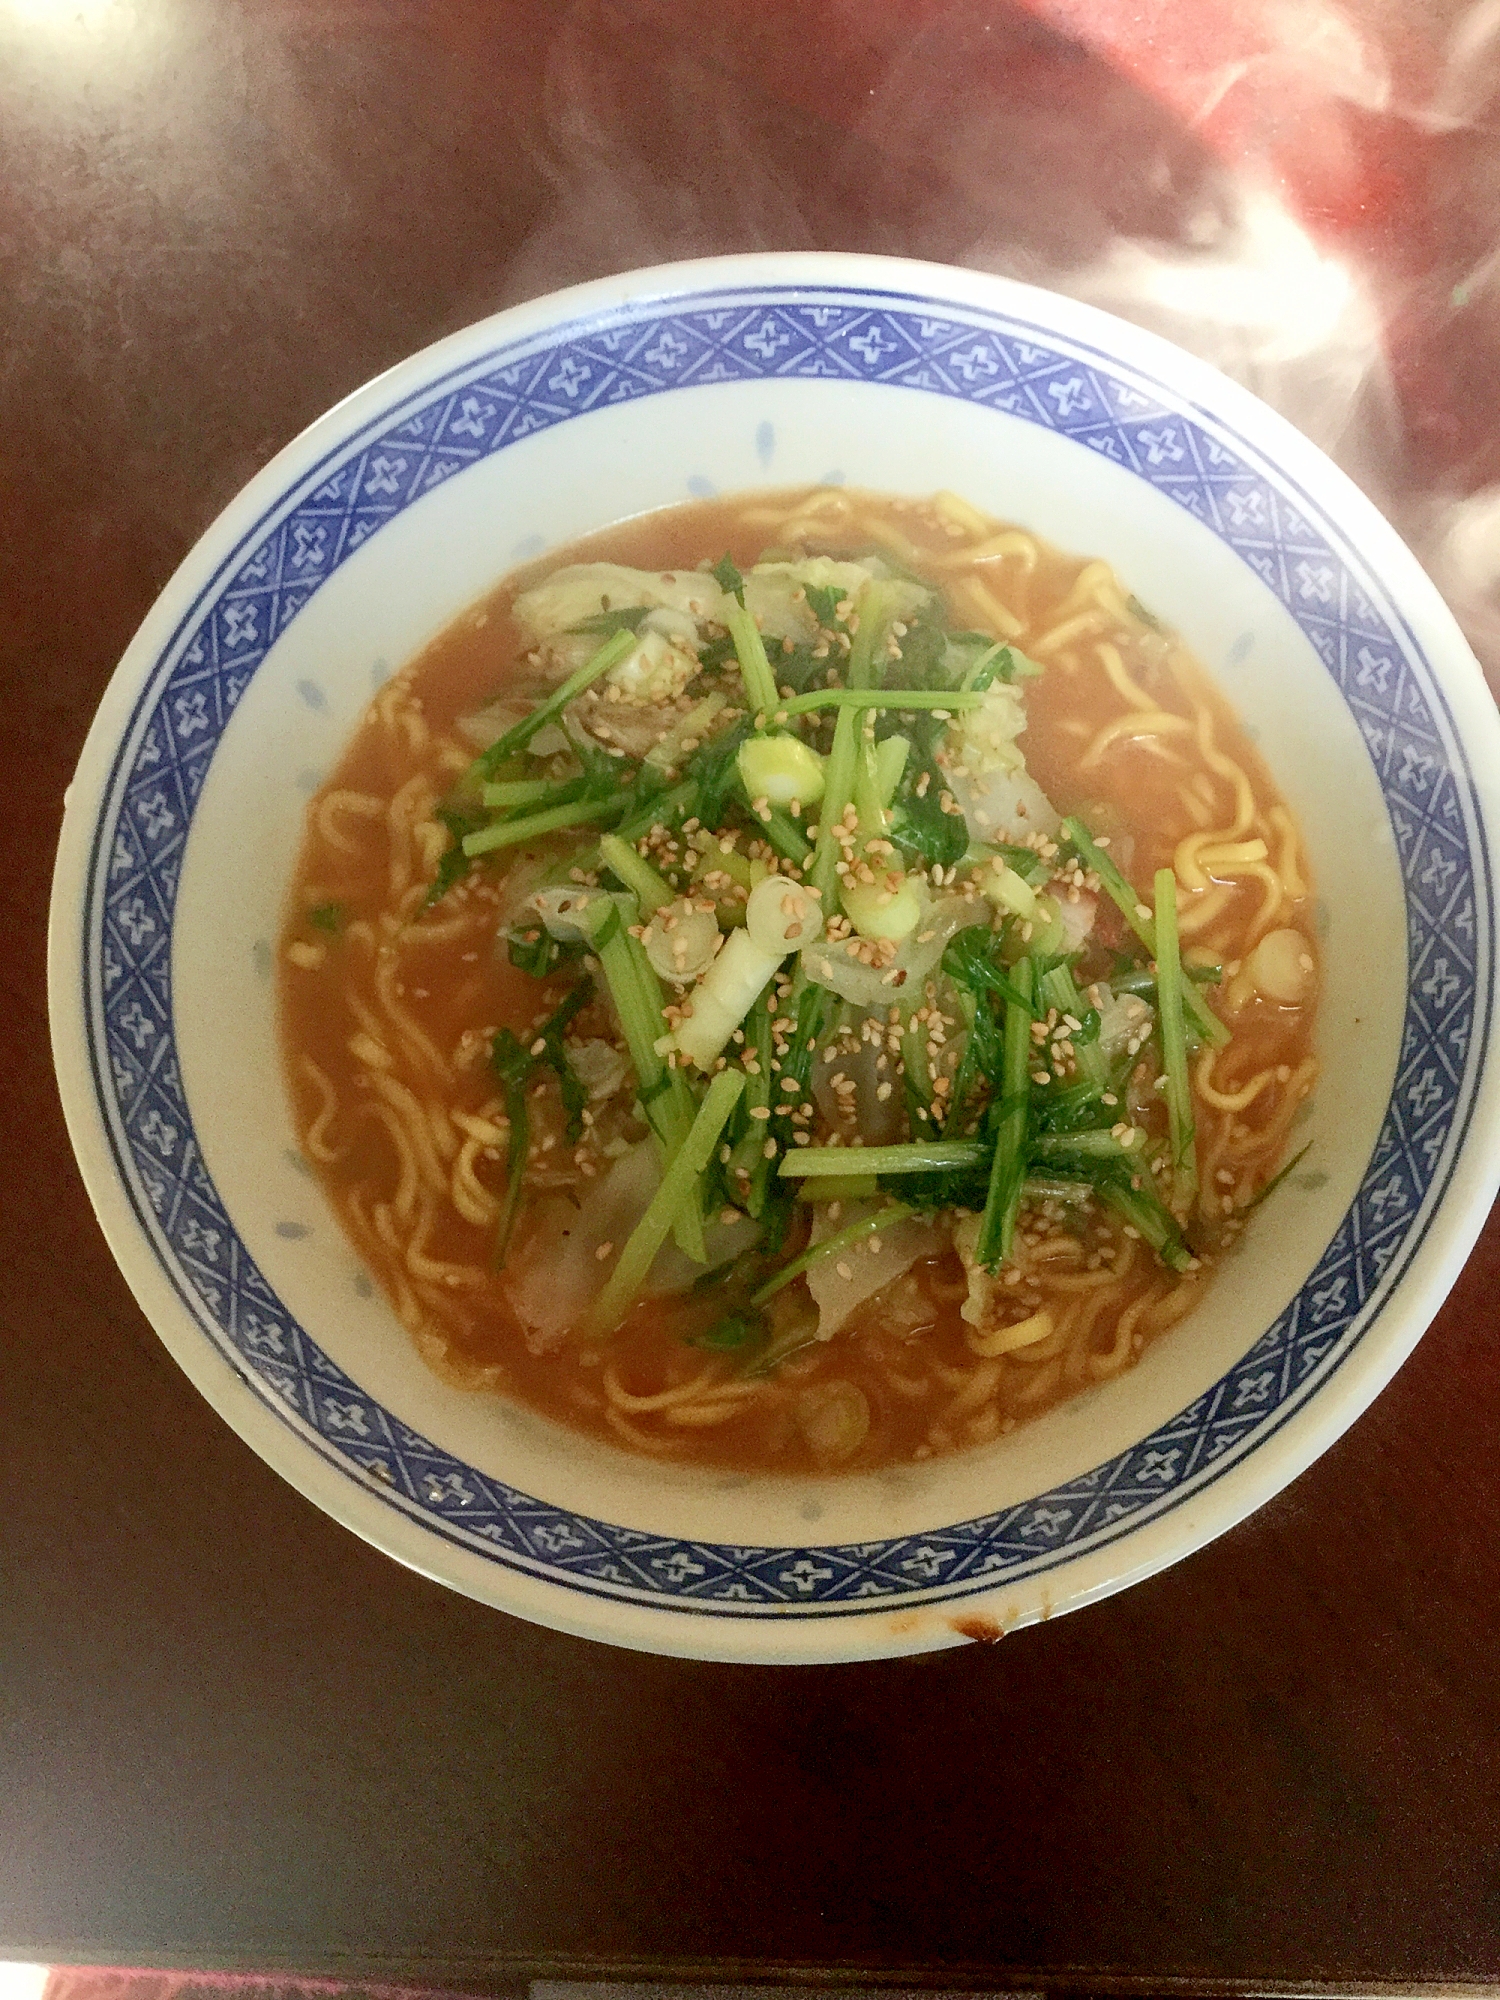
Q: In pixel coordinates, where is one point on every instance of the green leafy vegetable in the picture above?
(607, 623)
(728, 577)
(1008, 1118)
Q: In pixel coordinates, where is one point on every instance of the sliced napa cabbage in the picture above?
(983, 739)
(879, 1121)
(555, 1275)
(869, 1271)
(831, 963)
(986, 771)
(582, 591)
(1002, 805)
(775, 593)
(1123, 1018)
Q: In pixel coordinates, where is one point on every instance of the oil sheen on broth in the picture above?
(910, 1336)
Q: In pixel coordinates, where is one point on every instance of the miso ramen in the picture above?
(798, 983)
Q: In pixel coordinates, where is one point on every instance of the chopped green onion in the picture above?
(779, 769)
(997, 1231)
(677, 1196)
(516, 832)
(651, 890)
(845, 1239)
(1171, 996)
(916, 1157)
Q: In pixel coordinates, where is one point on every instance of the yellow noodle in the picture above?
(1198, 916)
(1076, 627)
(1001, 1339)
(404, 1200)
(363, 804)
(372, 1054)
(659, 1447)
(982, 602)
(702, 1416)
(1289, 856)
(434, 1270)
(400, 817)
(1102, 1366)
(1238, 1100)
(1114, 667)
(1226, 767)
(979, 1387)
(410, 1110)
(441, 1128)
(1088, 1281)
(890, 538)
(315, 1138)
(1222, 861)
(706, 1381)
(995, 548)
(1088, 586)
(471, 916)
(411, 1032)
(1160, 722)
(1181, 1298)
(1271, 899)
(953, 507)
(467, 1192)
(1076, 1360)
(396, 707)
(1040, 1385)
(487, 1131)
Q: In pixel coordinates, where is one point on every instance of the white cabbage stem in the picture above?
(561, 910)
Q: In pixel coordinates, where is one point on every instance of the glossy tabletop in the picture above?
(232, 1735)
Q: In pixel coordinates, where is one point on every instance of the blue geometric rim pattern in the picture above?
(996, 363)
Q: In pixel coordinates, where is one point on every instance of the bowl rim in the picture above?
(845, 1630)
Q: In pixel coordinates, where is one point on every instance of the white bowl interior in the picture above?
(442, 552)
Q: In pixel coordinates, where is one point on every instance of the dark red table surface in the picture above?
(230, 1734)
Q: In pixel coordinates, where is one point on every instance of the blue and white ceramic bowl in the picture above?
(366, 535)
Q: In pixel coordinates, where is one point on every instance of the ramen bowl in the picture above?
(366, 536)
